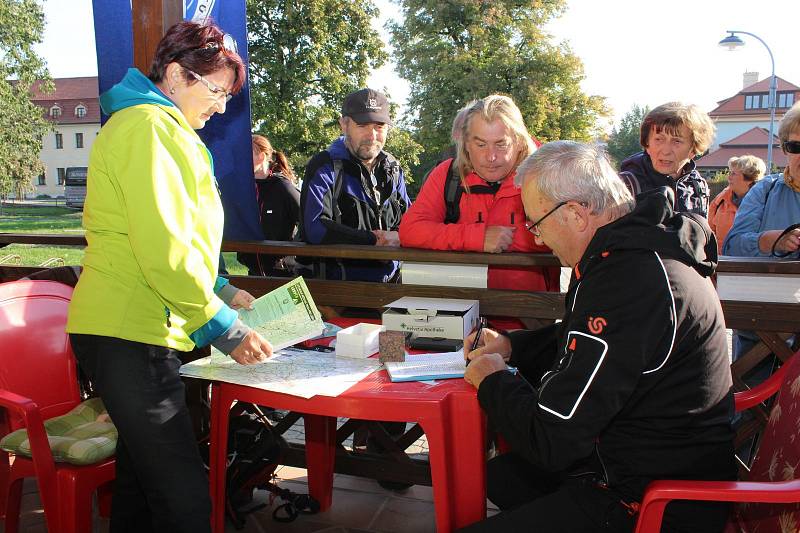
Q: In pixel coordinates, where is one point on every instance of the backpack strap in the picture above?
(452, 194)
(453, 189)
(631, 182)
(337, 188)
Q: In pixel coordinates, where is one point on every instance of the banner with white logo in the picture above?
(200, 10)
(227, 135)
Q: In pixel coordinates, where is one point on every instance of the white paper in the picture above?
(428, 366)
(776, 288)
(444, 275)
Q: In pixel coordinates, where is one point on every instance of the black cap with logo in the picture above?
(365, 106)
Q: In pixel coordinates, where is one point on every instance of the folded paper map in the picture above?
(303, 373)
(285, 316)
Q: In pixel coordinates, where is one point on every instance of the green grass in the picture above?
(34, 255)
(24, 219)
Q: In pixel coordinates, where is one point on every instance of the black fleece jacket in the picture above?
(638, 382)
(692, 194)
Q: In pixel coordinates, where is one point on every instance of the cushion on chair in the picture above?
(76, 437)
(777, 459)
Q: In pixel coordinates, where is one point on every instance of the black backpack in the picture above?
(453, 189)
(254, 452)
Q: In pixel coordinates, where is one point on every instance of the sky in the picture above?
(634, 51)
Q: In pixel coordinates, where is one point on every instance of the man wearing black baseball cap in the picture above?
(365, 106)
(354, 192)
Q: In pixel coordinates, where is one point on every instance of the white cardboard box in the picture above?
(432, 317)
(360, 340)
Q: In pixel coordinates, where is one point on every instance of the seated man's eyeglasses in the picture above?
(533, 227)
(791, 147)
(216, 91)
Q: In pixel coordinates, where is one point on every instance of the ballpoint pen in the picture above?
(477, 339)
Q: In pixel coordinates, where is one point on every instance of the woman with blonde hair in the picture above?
(490, 216)
(744, 172)
(769, 209)
(278, 207)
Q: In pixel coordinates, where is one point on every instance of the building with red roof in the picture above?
(751, 142)
(74, 110)
(742, 122)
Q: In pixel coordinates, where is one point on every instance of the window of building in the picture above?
(59, 141)
(55, 111)
(765, 101)
(79, 140)
(748, 101)
(785, 99)
(80, 111)
(42, 180)
(62, 176)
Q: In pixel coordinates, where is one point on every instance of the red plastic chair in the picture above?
(749, 517)
(38, 380)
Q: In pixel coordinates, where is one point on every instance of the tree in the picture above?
(22, 124)
(305, 57)
(624, 140)
(452, 51)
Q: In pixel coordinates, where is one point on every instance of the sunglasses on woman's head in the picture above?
(791, 147)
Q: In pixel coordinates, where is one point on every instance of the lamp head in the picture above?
(731, 42)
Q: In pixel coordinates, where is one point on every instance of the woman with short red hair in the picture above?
(149, 288)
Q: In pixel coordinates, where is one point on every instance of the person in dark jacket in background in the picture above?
(354, 192)
(278, 207)
(638, 383)
(672, 135)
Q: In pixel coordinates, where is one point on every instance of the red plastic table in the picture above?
(448, 412)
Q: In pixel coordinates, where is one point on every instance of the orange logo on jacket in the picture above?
(596, 325)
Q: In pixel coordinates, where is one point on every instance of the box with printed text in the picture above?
(432, 317)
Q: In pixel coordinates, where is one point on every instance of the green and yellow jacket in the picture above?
(153, 221)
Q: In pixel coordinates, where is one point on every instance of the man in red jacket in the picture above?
(490, 215)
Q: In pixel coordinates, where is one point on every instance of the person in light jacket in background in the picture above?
(744, 172)
(770, 207)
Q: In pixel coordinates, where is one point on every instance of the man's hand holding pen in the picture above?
(490, 352)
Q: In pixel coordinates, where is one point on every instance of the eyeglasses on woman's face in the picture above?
(218, 92)
(791, 147)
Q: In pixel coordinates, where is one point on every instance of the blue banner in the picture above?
(200, 10)
(227, 135)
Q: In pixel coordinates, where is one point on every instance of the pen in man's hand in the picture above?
(477, 339)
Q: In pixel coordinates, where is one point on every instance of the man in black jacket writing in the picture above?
(634, 384)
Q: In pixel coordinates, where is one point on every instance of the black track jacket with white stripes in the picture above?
(638, 382)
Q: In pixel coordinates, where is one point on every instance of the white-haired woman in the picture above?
(744, 172)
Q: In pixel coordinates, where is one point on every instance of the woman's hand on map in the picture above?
(253, 349)
(242, 300)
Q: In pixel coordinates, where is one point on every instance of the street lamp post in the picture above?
(732, 42)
